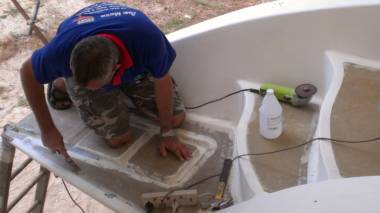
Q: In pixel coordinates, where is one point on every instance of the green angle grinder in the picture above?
(299, 96)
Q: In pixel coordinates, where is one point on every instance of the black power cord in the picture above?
(307, 142)
(71, 197)
(224, 97)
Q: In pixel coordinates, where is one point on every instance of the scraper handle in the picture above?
(223, 179)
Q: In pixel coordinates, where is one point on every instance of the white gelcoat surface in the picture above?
(283, 42)
(244, 178)
(350, 195)
(322, 164)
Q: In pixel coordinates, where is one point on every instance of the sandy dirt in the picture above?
(16, 46)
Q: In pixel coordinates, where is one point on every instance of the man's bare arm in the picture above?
(164, 93)
(34, 92)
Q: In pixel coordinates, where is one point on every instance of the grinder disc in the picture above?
(305, 90)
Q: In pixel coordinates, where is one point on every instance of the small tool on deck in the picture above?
(299, 96)
(222, 204)
(219, 201)
(223, 179)
(75, 168)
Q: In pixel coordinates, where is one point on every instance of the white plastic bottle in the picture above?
(270, 115)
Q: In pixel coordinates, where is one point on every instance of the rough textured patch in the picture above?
(149, 158)
(356, 116)
(285, 169)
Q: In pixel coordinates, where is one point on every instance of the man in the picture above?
(102, 56)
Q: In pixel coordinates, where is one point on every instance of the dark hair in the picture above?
(92, 58)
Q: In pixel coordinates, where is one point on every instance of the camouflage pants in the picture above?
(107, 112)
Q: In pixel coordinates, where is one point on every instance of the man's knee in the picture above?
(178, 119)
(121, 140)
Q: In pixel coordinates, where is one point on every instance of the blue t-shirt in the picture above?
(146, 44)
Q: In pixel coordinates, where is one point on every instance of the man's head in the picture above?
(93, 62)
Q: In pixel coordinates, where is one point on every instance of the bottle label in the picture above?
(274, 122)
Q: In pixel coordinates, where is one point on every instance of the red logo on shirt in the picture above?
(84, 19)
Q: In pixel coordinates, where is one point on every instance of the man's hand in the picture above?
(54, 141)
(172, 144)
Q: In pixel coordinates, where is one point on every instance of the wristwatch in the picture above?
(170, 133)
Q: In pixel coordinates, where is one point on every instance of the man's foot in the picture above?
(57, 97)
